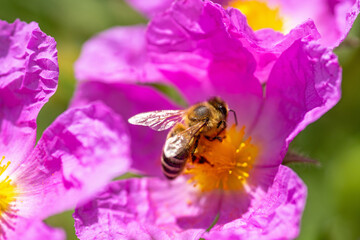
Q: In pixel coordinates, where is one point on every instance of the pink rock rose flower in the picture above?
(244, 186)
(76, 155)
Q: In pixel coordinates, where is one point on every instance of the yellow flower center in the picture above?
(222, 165)
(259, 14)
(7, 190)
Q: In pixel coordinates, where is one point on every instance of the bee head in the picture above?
(219, 105)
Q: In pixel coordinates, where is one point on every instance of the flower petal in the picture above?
(128, 100)
(198, 44)
(116, 55)
(272, 214)
(150, 8)
(30, 229)
(303, 85)
(332, 18)
(28, 77)
(155, 209)
(307, 79)
(266, 45)
(146, 209)
(346, 16)
(77, 155)
(192, 47)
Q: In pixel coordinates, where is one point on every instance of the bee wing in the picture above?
(158, 120)
(181, 141)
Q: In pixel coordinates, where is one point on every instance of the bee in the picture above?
(208, 119)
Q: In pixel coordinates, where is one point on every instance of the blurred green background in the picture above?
(333, 206)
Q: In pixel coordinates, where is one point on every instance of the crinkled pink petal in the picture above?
(128, 100)
(116, 55)
(150, 8)
(333, 18)
(222, 2)
(272, 214)
(303, 85)
(197, 44)
(28, 77)
(191, 45)
(307, 79)
(81, 151)
(30, 229)
(148, 208)
(266, 45)
(345, 23)
(155, 209)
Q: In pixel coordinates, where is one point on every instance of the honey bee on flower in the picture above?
(191, 141)
(207, 119)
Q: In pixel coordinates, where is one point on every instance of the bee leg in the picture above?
(217, 135)
(215, 138)
(202, 160)
(193, 157)
(220, 123)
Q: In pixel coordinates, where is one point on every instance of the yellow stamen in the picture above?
(225, 165)
(259, 14)
(7, 190)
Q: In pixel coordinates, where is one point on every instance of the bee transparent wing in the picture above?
(181, 141)
(158, 120)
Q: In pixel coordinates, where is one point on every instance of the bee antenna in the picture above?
(236, 122)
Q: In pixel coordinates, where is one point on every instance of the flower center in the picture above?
(259, 14)
(222, 165)
(7, 190)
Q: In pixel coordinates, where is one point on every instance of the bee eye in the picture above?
(201, 111)
(223, 110)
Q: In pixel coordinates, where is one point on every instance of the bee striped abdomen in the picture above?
(172, 166)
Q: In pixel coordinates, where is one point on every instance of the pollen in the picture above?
(7, 189)
(259, 14)
(222, 165)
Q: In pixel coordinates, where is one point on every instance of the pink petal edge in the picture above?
(28, 78)
(81, 151)
(30, 229)
(116, 55)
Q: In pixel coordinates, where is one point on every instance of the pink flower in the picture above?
(253, 195)
(76, 155)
